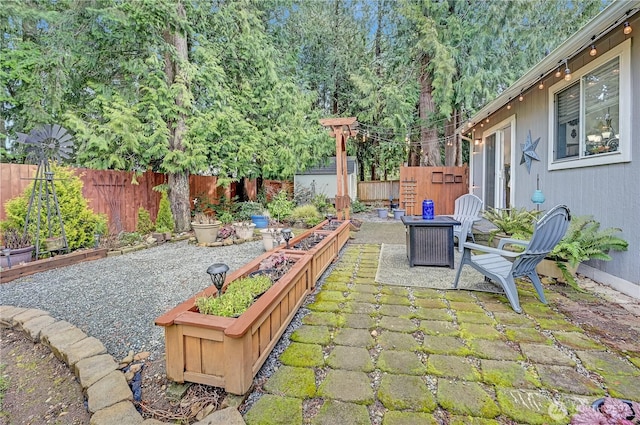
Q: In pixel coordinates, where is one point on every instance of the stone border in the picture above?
(109, 398)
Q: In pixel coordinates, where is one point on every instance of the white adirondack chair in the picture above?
(466, 211)
(494, 263)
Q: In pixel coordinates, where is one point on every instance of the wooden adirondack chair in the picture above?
(494, 263)
(467, 211)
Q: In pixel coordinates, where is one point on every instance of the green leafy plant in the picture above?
(129, 238)
(226, 217)
(164, 222)
(144, 225)
(280, 206)
(240, 294)
(79, 220)
(514, 222)
(308, 213)
(358, 207)
(321, 202)
(584, 241)
(247, 209)
(225, 205)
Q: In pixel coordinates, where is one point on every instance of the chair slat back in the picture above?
(467, 206)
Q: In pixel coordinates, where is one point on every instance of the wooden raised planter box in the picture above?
(326, 251)
(228, 352)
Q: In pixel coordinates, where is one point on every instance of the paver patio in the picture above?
(395, 355)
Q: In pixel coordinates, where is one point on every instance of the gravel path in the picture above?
(117, 299)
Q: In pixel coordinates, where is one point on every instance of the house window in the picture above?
(591, 112)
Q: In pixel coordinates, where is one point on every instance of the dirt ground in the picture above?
(40, 389)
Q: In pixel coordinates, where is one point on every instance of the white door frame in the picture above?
(498, 195)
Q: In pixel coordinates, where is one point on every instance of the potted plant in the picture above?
(18, 248)
(608, 410)
(254, 212)
(271, 237)
(240, 294)
(206, 227)
(244, 229)
(583, 241)
(382, 211)
(510, 222)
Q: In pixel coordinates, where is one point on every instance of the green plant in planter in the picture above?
(247, 209)
(225, 217)
(15, 239)
(584, 241)
(144, 225)
(513, 222)
(164, 221)
(308, 213)
(239, 295)
(280, 206)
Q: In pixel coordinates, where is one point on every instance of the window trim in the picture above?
(623, 154)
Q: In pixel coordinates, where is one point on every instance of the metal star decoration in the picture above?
(529, 152)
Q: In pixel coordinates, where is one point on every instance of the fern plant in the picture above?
(514, 222)
(584, 241)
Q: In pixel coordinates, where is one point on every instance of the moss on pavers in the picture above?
(623, 386)
(360, 308)
(471, 317)
(530, 407)
(368, 285)
(512, 318)
(479, 330)
(395, 290)
(398, 341)
(465, 306)
(427, 293)
(607, 364)
(466, 398)
(470, 420)
(545, 354)
(401, 362)
(401, 392)
(458, 295)
(348, 414)
(395, 299)
(505, 373)
(275, 410)
(537, 309)
(289, 381)
(397, 324)
(567, 379)
(452, 366)
(335, 285)
(329, 306)
(302, 355)
(496, 350)
(312, 335)
(497, 303)
(577, 341)
(430, 303)
(350, 358)
(437, 327)
(334, 296)
(635, 361)
(396, 310)
(347, 385)
(557, 325)
(322, 318)
(527, 335)
(337, 276)
(359, 321)
(432, 314)
(354, 338)
(363, 297)
(444, 345)
(408, 418)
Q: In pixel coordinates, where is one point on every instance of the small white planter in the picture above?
(206, 232)
(244, 230)
(271, 238)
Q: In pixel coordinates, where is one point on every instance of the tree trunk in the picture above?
(430, 155)
(178, 180)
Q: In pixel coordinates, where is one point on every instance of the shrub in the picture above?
(309, 214)
(226, 217)
(280, 206)
(247, 209)
(144, 225)
(79, 220)
(321, 202)
(15, 239)
(164, 222)
(358, 207)
(517, 223)
(239, 295)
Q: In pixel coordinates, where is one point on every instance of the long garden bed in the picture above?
(228, 352)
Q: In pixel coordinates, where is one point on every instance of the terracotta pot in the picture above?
(206, 232)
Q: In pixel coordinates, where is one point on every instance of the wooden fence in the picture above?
(114, 193)
(441, 184)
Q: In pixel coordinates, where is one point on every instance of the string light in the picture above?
(558, 73)
(541, 85)
(508, 105)
(593, 50)
(521, 98)
(567, 71)
(627, 28)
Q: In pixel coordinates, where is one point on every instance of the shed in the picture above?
(322, 178)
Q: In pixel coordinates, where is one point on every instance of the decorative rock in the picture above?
(27, 315)
(151, 240)
(118, 414)
(108, 391)
(135, 367)
(141, 356)
(176, 391)
(128, 359)
(91, 370)
(7, 313)
(83, 349)
(34, 326)
(205, 412)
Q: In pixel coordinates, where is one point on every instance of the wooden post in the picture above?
(341, 129)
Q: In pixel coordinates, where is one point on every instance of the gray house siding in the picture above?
(610, 193)
(323, 180)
